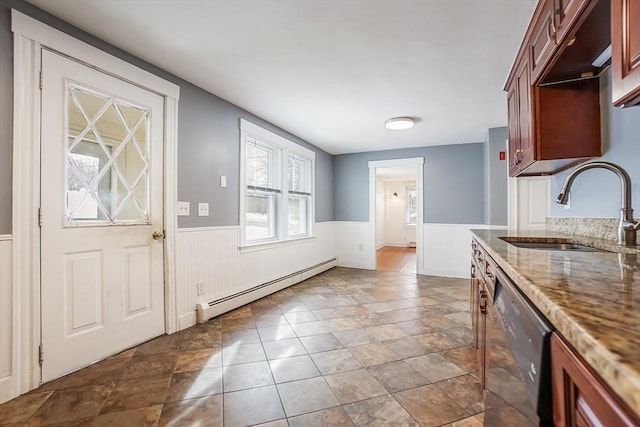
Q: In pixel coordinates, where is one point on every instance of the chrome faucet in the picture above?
(627, 227)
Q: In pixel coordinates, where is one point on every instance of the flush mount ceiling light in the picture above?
(397, 123)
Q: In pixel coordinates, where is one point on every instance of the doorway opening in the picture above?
(397, 214)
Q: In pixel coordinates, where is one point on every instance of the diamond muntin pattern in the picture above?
(107, 159)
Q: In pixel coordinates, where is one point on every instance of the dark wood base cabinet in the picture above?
(579, 397)
(478, 306)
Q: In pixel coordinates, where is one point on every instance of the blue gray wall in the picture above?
(495, 177)
(208, 136)
(596, 193)
(6, 116)
(453, 183)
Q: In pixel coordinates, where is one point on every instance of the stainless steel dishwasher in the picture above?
(518, 389)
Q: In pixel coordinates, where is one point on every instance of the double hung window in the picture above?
(411, 208)
(277, 188)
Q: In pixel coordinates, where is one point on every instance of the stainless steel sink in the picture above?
(550, 245)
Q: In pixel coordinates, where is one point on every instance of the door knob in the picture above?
(158, 235)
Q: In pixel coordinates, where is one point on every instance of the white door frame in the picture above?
(30, 36)
(419, 163)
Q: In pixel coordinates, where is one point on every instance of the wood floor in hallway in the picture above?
(400, 259)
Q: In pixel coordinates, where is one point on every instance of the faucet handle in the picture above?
(631, 225)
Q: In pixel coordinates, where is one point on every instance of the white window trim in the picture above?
(250, 129)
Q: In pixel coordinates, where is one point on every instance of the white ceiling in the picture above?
(330, 71)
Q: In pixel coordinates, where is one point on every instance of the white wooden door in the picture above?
(529, 202)
(101, 202)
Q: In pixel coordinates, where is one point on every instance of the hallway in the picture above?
(347, 347)
(399, 259)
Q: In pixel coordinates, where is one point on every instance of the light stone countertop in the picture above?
(591, 298)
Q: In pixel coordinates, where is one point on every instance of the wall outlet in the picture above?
(223, 181)
(360, 248)
(203, 209)
(200, 287)
(184, 208)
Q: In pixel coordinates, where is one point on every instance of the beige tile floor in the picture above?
(347, 347)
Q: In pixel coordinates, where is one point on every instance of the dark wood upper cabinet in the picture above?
(625, 59)
(553, 87)
(521, 150)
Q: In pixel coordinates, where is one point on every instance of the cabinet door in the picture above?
(521, 144)
(514, 130)
(579, 398)
(566, 14)
(525, 116)
(625, 44)
(543, 39)
(474, 303)
(483, 305)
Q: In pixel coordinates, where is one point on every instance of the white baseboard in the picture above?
(206, 311)
(354, 264)
(186, 320)
(396, 244)
(461, 274)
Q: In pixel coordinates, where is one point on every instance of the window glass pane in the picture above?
(297, 221)
(299, 174)
(79, 201)
(261, 165)
(412, 208)
(107, 159)
(259, 217)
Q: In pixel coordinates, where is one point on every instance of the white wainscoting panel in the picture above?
(355, 245)
(6, 319)
(447, 249)
(212, 255)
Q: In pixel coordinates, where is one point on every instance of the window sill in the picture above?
(253, 247)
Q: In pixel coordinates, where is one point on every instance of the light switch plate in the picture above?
(184, 208)
(223, 181)
(203, 209)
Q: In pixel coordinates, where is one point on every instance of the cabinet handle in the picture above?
(487, 271)
(517, 156)
(473, 271)
(557, 18)
(483, 304)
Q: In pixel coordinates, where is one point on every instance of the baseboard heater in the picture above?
(206, 311)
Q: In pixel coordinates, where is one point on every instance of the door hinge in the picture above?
(40, 354)
(41, 80)
(40, 217)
